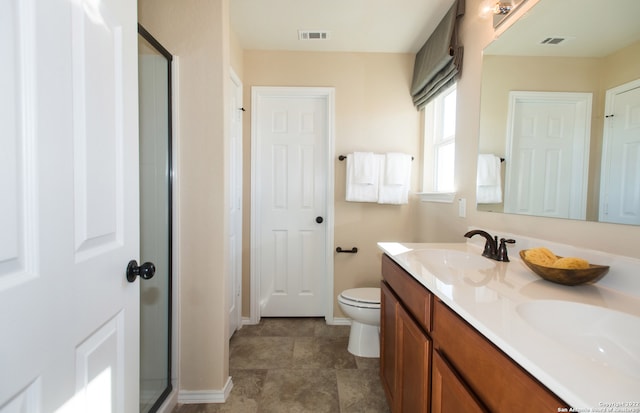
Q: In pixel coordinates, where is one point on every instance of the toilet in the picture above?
(362, 305)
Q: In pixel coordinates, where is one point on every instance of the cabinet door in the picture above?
(449, 393)
(413, 366)
(388, 308)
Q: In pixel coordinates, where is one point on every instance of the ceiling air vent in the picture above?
(313, 35)
(553, 40)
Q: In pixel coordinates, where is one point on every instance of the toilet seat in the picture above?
(361, 297)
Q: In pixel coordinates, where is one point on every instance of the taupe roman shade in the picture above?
(439, 62)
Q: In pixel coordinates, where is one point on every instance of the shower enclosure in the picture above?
(154, 71)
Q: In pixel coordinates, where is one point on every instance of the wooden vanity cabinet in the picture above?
(499, 382)
(431, 360)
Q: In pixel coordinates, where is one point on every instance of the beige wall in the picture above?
(441, 222)
(236, 54)
(196, 32)
(373, 113)
(624, 65)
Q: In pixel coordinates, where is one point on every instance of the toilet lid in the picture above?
(363, 295)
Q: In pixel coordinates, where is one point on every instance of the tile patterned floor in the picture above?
(297, 365)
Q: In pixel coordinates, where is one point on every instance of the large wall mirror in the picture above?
(561, 105)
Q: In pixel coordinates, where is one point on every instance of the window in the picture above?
(440, 143)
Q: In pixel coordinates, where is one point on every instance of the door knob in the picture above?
(145, 271)
(319, 220)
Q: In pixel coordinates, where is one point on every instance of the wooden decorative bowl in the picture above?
(567, 276)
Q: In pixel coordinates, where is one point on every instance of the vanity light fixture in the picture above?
(498, 9)
(501, 8)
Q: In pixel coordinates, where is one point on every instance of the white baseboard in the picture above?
(206, 396)
(336, 321)
(340, 321)
(246, 321)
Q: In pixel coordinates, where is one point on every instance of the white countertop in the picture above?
(567, 347)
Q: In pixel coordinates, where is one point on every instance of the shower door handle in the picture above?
(145, 271)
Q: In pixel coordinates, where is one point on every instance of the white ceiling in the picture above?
(387, 26)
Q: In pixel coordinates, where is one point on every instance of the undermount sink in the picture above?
(452, 262)
(604, 336)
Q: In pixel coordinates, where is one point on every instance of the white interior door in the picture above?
(235, 214)
(548, 153)
(69, 210)
(291, 129)
(620, 186)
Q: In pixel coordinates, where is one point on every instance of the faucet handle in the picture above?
(502, 250)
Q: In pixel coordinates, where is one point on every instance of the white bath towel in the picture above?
(362, 192)
(488, 181)
(397, 168)
(395, 179)
(365, 168)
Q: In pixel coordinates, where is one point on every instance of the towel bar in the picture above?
(351, 251)
(343, 157)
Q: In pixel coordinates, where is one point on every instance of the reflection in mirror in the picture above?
(566, 47)
(502, 9)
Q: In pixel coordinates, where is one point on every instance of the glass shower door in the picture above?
(154, 72)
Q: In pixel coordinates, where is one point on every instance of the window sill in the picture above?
(442, 197)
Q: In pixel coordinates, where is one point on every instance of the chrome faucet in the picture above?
(491, 248)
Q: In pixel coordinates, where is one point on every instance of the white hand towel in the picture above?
(361, 192)
(365, 168)
(488, 181)
(488, 169)
(395, 179)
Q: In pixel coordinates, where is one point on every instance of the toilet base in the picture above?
(364, 340)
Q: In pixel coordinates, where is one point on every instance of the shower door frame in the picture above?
(164, 52)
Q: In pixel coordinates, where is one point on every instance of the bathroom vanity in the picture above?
(461, 333)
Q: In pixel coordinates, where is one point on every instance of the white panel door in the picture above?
(620, 187)
(548, 152)
(234, 283)
(291, 182)
(69, 210)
